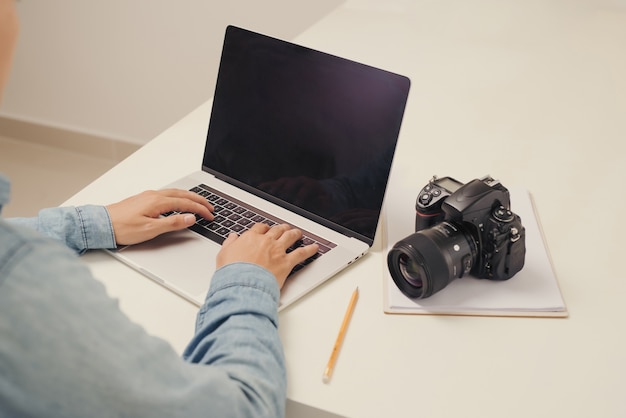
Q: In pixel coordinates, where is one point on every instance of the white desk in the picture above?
(533, 93)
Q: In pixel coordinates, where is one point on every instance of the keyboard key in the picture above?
(237, 228)
(223, 231)
(234, 217)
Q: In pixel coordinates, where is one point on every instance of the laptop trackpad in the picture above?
(182, 260)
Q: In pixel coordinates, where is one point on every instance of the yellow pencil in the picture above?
(342, 332)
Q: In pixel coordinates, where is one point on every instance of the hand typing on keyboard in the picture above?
(235, 216)
(137, 218)
(267, 246)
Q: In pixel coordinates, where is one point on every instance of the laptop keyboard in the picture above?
(232, 215)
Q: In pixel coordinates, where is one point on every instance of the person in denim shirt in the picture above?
(66, 350)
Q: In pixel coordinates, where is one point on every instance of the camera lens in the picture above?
(411, 271)
(427, 261)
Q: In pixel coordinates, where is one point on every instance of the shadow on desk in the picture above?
(298, 410)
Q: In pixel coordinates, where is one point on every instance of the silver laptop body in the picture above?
(296, 136)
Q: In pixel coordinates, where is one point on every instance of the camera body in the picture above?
(460, 229)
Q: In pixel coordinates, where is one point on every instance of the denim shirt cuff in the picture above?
(97, 227)
(245, 274)
(80, 228)
(232, 281)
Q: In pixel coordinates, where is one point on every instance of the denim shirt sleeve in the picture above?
(68, 351)
(81, 228)
(241, 311)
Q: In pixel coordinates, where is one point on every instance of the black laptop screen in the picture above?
(305, 129)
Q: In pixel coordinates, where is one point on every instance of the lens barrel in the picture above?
(427, 261)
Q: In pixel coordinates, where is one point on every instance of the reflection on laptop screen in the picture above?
(305, 128)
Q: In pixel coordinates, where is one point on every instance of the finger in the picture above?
(260, 228)
(182, 193)
(229, 239)
(185, 205)
(290, 236)
(173, 223)
(224, 256)
(302, 253)
(186, 194)
(278, 231)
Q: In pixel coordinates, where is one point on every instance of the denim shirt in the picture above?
(66, 350)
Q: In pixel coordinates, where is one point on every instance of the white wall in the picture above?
(128, 69)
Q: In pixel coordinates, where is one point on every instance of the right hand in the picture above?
(266, 246)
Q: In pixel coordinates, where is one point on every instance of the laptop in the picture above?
(295, 136)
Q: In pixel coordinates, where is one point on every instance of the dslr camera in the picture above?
(460, 229)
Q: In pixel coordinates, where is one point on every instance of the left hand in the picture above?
(137, 218)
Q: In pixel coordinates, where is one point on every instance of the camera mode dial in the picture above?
(431, 194)
(503, 214)
(427, 196)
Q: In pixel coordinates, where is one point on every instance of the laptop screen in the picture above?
(307, 130)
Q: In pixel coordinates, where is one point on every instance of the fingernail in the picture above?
(189, 219)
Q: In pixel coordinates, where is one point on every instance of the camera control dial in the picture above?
(503, 214)
(425, 198)
(435, 191)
